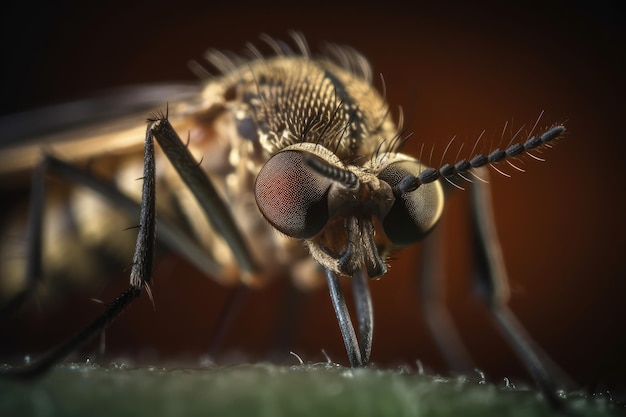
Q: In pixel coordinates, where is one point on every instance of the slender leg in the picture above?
(140, 277)
(227, 316)
(287, 319)
(343, 317)
(491, 281)
(170, 234)
(436, 315)
(200, 185)
(34, 248)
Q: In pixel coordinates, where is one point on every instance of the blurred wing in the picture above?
(113, 122)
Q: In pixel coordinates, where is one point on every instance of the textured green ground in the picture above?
(269, 390)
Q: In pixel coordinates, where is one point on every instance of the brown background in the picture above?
(456, 69)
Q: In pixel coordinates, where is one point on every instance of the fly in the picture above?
(292, 163)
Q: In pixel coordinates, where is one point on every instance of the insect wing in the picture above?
(85, 128)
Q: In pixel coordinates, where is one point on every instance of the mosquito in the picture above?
(290, 163)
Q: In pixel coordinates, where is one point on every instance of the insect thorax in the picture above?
(286, 100)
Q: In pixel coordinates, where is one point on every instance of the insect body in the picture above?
(299, 156)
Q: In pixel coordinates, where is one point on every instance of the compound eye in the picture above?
(292, 196)
(413, 214)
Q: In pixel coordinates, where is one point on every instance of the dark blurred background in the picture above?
(457, 69)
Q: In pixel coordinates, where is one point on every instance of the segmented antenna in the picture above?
(411, 183)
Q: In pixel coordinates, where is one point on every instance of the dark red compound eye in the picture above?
(292, 196)
(415, 213)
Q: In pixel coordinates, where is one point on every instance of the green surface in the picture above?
(267, 390)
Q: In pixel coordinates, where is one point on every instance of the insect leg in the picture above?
(437, 317)
(491, 280)
(170, 234)
(287, 319)
(228, 314)
(205, 193)
(140, 276)
(34, 241)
